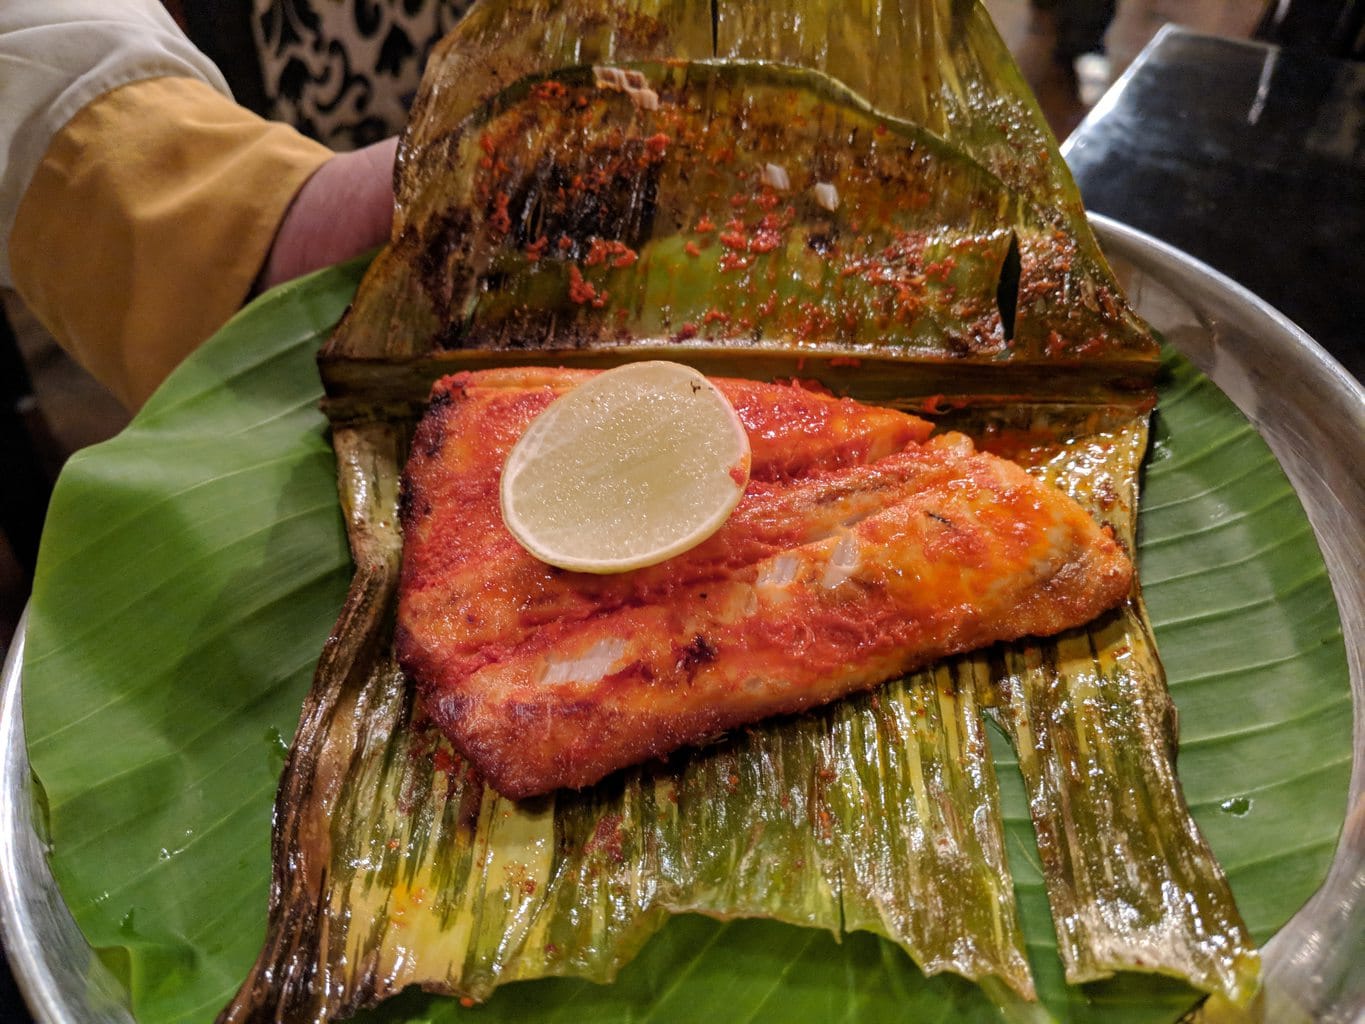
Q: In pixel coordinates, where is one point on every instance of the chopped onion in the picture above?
(776, 177)
(632, 83)
(608, 78)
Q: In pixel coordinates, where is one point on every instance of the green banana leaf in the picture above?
(195, 564)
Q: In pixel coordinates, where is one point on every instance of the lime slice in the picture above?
(631, 467)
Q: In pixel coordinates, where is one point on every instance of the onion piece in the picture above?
(775, 176)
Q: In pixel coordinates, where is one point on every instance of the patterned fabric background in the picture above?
(345, 71)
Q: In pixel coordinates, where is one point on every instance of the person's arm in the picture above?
(146, 223)
(341, 211)
(57, 56)
(156, 204)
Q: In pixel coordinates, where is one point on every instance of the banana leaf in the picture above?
(192, 570)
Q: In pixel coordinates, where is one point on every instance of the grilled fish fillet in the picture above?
(861, 550)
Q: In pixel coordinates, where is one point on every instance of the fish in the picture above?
(865, 547)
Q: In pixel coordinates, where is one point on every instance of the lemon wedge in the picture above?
(631, 467)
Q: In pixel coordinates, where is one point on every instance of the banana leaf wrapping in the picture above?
(864, 196)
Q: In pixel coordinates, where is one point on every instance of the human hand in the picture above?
(345, 208)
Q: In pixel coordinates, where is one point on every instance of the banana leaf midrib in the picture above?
(875, 377)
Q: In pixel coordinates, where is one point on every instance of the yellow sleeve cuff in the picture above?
(147, 221)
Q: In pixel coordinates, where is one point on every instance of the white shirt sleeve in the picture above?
(58, 55)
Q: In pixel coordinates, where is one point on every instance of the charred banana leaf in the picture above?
(750, 215)
(1132, 884)
(861, 194)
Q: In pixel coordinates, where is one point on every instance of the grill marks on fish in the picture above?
(861, 550)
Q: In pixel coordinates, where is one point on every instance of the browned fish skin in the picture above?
(858, 552)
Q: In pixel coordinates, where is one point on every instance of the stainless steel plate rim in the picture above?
(1307, 407)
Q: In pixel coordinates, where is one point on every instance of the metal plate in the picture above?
(1308, 409)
